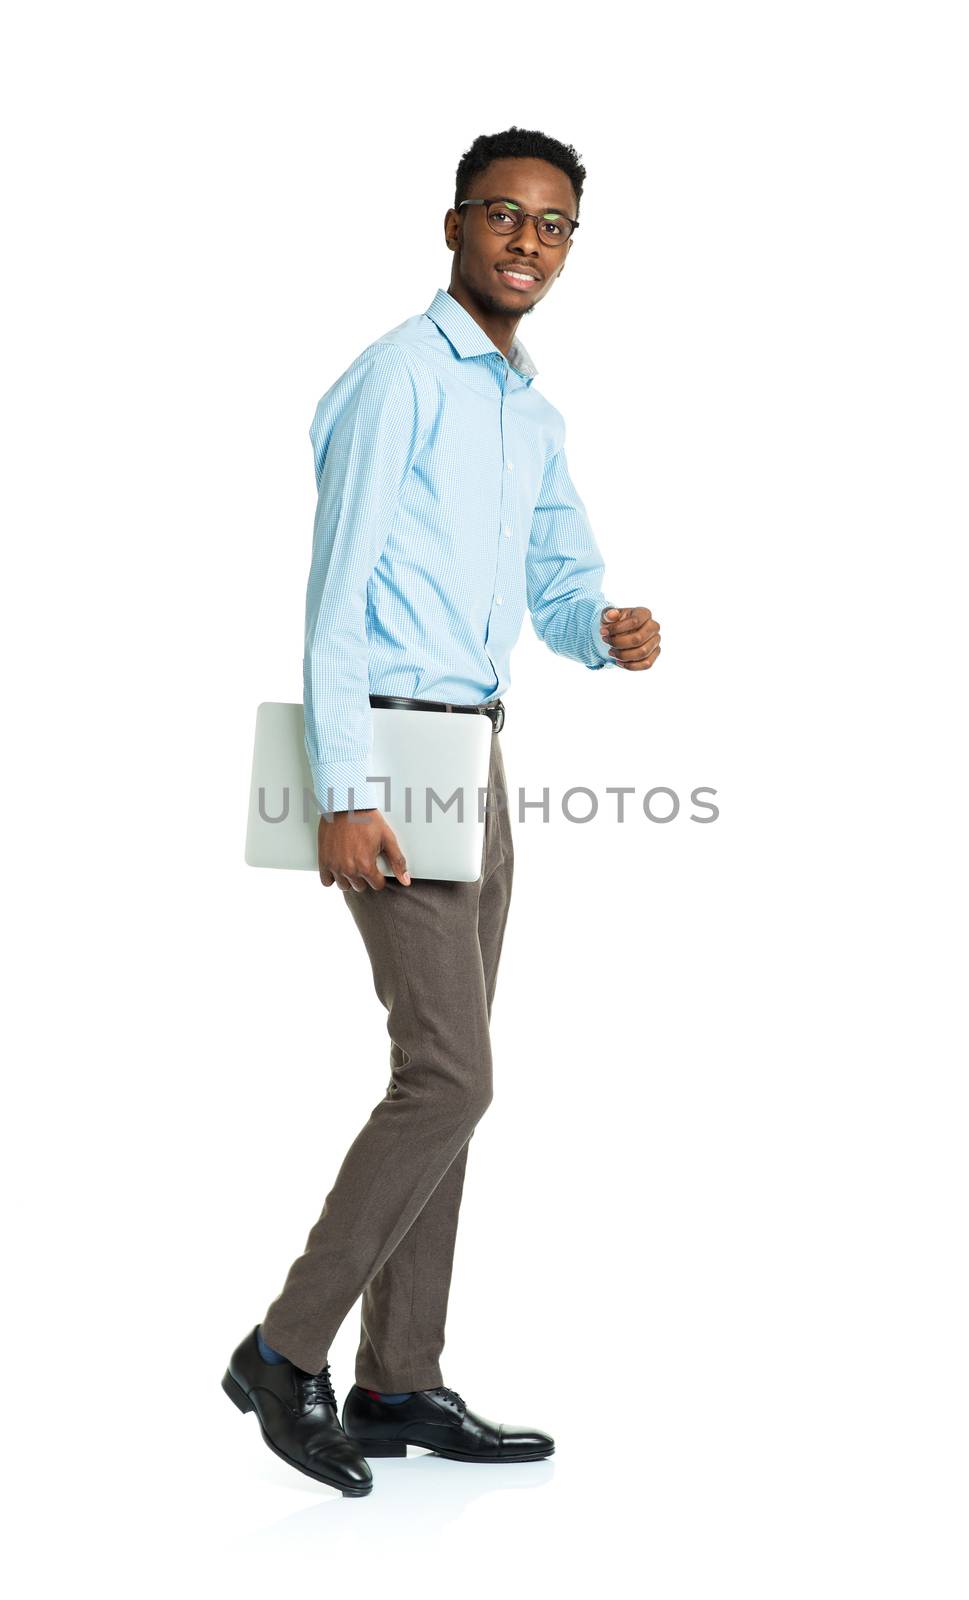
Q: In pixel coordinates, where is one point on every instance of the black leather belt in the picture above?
(490, 708)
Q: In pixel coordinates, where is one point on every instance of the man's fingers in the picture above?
(627, 657)
(635, 648)
(395, 856)
(633, 632)
(638, 660)
(629, 621)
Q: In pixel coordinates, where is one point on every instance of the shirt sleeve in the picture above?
(564, 571)
(364, 439)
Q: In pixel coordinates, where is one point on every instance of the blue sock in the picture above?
(391, 1399)
(267, 1352)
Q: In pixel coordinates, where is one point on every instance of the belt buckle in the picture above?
(500, 718)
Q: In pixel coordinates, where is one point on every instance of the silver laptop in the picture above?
(435, 769)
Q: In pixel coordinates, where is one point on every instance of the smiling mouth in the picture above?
(516, 280)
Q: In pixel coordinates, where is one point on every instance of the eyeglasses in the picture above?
(506, 216)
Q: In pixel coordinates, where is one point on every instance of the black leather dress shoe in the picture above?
(438, 1420)
(297, 1417)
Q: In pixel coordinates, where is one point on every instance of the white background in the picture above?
(713, 1231)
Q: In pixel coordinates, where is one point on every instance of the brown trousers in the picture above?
(388, 1225)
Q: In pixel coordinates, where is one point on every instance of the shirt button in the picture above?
(511, 466)
(497, 599)
(507, 533)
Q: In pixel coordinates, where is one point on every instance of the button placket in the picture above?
(506, 527)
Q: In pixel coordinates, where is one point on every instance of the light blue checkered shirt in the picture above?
(445, 509)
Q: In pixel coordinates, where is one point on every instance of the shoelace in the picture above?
(316, 1389)
(451, 1394)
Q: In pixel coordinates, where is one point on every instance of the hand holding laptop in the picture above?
(433, 771)
(348, 847)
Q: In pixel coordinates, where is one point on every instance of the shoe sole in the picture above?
(239, 1398)
(398, 1447)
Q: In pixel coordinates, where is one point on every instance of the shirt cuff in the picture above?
(343, 786)
(602, 645)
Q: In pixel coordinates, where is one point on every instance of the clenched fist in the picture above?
(633, 634)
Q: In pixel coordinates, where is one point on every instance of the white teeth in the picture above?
(523, 277)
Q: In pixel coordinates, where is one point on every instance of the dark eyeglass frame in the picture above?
(554, 244)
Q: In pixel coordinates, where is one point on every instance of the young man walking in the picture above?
(445, 510)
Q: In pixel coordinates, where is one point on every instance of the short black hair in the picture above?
(521, 142)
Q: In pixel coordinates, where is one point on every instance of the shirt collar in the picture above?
(469, 338)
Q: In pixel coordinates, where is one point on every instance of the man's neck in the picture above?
(500, 327)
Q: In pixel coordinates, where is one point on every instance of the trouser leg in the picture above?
(424, 946)
(404, 1306)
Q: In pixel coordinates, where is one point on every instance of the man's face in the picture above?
(480, 253)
